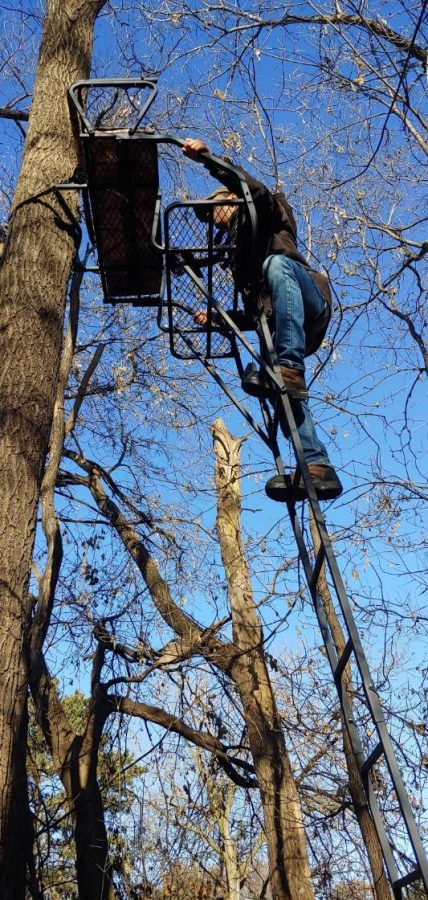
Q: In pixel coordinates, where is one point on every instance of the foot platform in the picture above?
(199, 282)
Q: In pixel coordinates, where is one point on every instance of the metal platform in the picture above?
(198, 273)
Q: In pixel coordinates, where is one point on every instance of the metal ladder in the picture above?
(325, 559)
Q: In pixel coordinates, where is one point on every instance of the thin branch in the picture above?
(370, 26)
(202, 739)
(82, 390)
(17, 115)
(184, 625)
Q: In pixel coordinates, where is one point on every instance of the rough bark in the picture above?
(229, 847)
(33, 283)
(288, 859)
(356, 788)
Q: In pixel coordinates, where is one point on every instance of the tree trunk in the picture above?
(231, 865)
(33, 284)
(94, 871)
(75, 758)
(289, 870)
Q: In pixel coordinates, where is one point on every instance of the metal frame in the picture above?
(283, 413)
(85, 131)
(77, 105)
(191, 257)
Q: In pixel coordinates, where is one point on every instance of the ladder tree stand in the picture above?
(174, 262)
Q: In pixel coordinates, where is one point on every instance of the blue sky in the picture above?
(369, 403)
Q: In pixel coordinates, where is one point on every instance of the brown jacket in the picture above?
(276, 233)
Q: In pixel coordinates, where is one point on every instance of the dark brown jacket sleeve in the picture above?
(277, 229)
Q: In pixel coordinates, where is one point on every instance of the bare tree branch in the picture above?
(202, 739)
(18, 115)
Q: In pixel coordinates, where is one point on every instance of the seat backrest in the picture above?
(123, 188)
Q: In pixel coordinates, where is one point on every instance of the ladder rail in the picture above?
(353, 648)
(384, 746)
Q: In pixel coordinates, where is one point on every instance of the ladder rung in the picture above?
(317, 567)
(344, 658)
(412, 876)
(372, 758)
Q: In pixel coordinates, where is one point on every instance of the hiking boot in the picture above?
(253, 382)
(294, 381)
(280, 487)
(324, 479)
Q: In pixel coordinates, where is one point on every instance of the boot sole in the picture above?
(255, 390)
(328, 491)
(281, 492)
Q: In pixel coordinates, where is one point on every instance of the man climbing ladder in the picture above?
(300, 307)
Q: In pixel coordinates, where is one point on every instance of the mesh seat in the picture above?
(123, 184)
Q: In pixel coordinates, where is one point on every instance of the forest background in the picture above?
(325, 101)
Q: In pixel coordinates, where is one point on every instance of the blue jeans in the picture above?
(296, 300)
(313, 449)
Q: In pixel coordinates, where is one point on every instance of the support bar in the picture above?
(344, 658)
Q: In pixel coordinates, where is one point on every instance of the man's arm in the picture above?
(262, 197)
